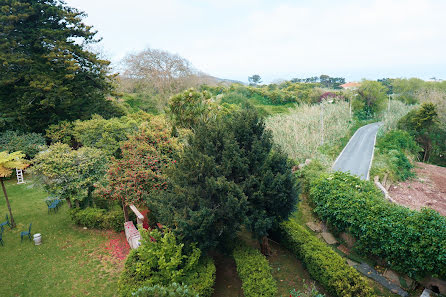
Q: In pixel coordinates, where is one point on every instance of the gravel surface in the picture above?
(428, 189)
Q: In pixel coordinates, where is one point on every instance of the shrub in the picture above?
(28, 143)
(161, 260)
(97, 218)
(391, 150)
(172, 290)
(309, 173)
(323, 264)
(411, 241)
(255, 272)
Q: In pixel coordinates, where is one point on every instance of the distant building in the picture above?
(351, 86)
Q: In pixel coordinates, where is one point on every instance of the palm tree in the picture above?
(8, 162)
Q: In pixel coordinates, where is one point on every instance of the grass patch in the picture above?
(70, 261)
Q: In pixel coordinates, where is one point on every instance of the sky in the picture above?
(278, 40)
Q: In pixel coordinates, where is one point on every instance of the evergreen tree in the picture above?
(46, 72)
(227, 176)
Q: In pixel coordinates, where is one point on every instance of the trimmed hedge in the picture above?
(413, 242)
(97, 218)
(323, 264)
(255, 272)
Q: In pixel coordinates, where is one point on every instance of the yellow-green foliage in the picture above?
(255, 272)
(323, 264)
(299, 131)
(67, 173)
(162, 260)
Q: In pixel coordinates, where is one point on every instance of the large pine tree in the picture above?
(46, 72)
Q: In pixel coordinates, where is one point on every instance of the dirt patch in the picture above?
(227, 282)
(428, 189)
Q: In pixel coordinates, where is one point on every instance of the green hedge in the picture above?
(255, 272)
(413, 242)
(323, 264)
(97, 218)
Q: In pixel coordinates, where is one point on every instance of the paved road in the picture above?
(357, 156)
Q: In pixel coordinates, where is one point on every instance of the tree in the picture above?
(227, 176)
(9, 162)
(268, 181)
(422, 123)
(28, 143)
(254, 80)
(406, 89)
(46, 72)
(203, 201)
(69, 174)
(371, 99)
(159, 74)
(104, 134)
(141, 171)
(188, 108)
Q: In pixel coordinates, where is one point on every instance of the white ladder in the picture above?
(19, 176)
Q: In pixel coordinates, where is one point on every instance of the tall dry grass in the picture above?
(390, 117)
(298, 132)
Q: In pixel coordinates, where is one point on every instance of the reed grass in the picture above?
(299, 132)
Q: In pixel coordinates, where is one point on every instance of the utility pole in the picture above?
(388, 107)
(322, 120)
(322, 123)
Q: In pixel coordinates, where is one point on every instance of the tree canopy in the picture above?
(227, 176)
(140, 172)
(69, 174)
(46, 72)
(371, 99)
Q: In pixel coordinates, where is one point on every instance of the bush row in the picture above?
(97, 218)
(255, 272)
(323, 264)
(413, 242)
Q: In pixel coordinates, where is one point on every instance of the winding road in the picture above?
(357, 155)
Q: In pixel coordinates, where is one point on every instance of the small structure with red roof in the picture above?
(351, 85)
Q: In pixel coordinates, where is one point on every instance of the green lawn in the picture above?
(70, 262)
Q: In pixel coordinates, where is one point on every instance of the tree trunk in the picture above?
(77, 203)
(12, 222)
(266, 250)
(68, 202)
(126, 213)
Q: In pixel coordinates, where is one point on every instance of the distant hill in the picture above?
(226, 81)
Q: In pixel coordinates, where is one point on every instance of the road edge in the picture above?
(340, 154)
(373, 152)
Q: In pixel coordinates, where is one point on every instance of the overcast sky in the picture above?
(280, 39)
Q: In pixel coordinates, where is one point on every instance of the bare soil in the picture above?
(428, 189)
